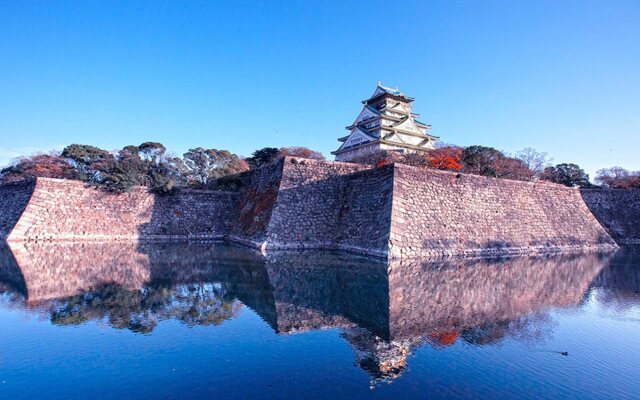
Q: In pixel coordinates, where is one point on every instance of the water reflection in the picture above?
(384, 311)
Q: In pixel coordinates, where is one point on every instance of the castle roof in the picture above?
(385, 90)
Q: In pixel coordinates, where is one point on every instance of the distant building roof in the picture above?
(381, 90)
(389, 90)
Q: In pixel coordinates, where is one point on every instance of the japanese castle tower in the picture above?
(386, 123)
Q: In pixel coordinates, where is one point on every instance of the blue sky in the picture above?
(560, 76)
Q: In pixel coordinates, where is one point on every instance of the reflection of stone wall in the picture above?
(618, 210)
(57, 270)
(68, 210)
(328, 290)
(619, 285)
(435, 297)
(385, 310)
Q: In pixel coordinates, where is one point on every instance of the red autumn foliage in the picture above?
(446, 158)
(40, 165)
(445, 338)
(618, 177)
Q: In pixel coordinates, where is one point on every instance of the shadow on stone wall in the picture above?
(191, 214)
(617, 210)
(14, 198)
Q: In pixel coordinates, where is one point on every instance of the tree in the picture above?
(205, 165)
(567, 174)
(301, 152)
(262, 157)
(39, 165)
(129, 170)
(512, 168)
(417, 159)
(163, 172)
(167, 174)
(378, 158)
(487, 161)
(152, 151)
(91, 162)
(534, 160)
(143, 165)
(618, 177)
(480, 160)
(448, 158)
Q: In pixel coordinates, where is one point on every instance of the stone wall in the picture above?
(439, 213)
(255, 204)
(330, 205)
(300, 203)
(391, 211)
(365, 219)
(309, 203)
(405, 212)
(618, 210)
(69, 210)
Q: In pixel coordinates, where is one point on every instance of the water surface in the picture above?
(185, 320)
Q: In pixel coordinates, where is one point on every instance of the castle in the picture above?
(386, 123)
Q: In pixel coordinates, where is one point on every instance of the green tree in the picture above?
(167, 174)
(91, 162)
(481, 160)
(205, 165)
(567, 174)
(152, 151)
(262, 157)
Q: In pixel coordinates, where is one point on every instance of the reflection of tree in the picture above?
(140, 310)
(529, 329)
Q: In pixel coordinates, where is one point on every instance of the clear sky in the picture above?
(560, 76)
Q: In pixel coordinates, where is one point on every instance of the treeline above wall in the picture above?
(150, 164)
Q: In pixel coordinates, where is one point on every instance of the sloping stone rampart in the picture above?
(331, 205)
(618, 210)
(439, 213)
(69, 210)
(390, 211)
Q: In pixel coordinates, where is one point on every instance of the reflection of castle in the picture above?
(384, 310)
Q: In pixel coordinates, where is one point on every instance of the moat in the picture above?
(204, 320)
